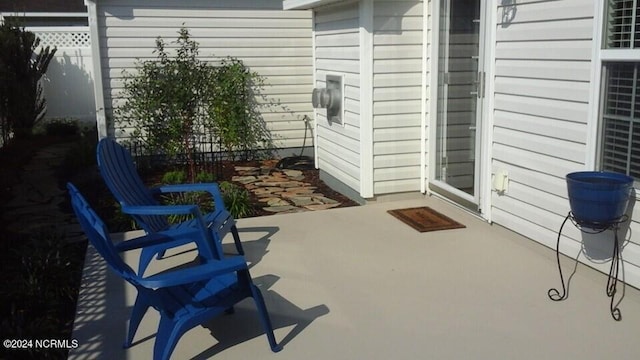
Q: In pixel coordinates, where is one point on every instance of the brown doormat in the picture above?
(425, 219)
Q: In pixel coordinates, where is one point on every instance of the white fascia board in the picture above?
(43, 14)
(305, 4)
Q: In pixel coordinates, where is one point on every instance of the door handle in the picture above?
(480, 80)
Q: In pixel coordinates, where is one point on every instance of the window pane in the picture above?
(621, 119)
(622, 25)
(619, 89)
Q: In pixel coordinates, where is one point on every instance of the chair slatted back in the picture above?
(121, 176)
(98, 235)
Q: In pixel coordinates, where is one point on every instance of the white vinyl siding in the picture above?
(532, 104)
(397, 93)
(542, 93)
(274, 43)
(337, 51)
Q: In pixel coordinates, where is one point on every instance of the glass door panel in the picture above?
(459, 93)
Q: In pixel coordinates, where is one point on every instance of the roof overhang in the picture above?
(306, 4)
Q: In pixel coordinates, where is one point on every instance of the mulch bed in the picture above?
(228, 171)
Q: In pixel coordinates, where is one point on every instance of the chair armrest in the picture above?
(156, 238)
(203, 238)
(162, 210)
(211, 188)
(193, 274)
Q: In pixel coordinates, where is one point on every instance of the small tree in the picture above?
(171, 102)
(235, 111)
(164, 100)
(22, 104)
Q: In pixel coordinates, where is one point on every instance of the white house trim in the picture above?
(433, 86)
(366, 98)
(487, 117)
(423, 99)
(591, 158)
(101, 119)
(314, 69)
(305, 4)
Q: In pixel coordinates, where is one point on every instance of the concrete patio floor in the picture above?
(355, 283)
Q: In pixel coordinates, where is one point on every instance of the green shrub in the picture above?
(165, 98)
(61, 127)
(22, 104)
(173, 101)
(79, 163)
(236, 199)
(205, 177)
(235, 113)
(174, 177)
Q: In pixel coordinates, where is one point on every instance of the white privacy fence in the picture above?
(68, 84)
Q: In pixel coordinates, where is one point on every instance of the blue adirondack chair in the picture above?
(119, 173)
(185, 298)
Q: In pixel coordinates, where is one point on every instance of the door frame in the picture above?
(484, 135)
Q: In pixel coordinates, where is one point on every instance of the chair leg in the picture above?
(139, 309)
(264, 318)
(145, 259)
(236, 239)
(169, 332)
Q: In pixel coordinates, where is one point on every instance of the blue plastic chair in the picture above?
(185, 298)
(119, 173)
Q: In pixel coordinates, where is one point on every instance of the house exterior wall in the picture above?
(397, 95)
(540, 111)
(342, 35)
(543, 88)
(337, 51)
(274, 43)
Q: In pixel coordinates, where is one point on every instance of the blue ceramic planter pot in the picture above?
(598, 197)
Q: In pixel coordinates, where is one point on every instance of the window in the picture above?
(622, 27)
(620, 104)
(621, 119)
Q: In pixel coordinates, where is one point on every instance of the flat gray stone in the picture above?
(321, 206)
(325, 200)
(292, 173)
(277, 202)
(304, 201)
(279, 209)
(246, 179)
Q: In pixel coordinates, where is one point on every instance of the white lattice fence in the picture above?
(68, 85)
(63, 37)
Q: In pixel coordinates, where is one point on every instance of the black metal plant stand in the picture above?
(612, 281)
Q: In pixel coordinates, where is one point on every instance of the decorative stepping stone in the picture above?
(267, 190)
(304, 201)
(292, 173)
(272, 181)
(321, 206)
(288, 195)
(277, 202)
(290, 184)
(279, 209)
(302, 190)
(246, 179)
(325, 200)
(246, 169)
